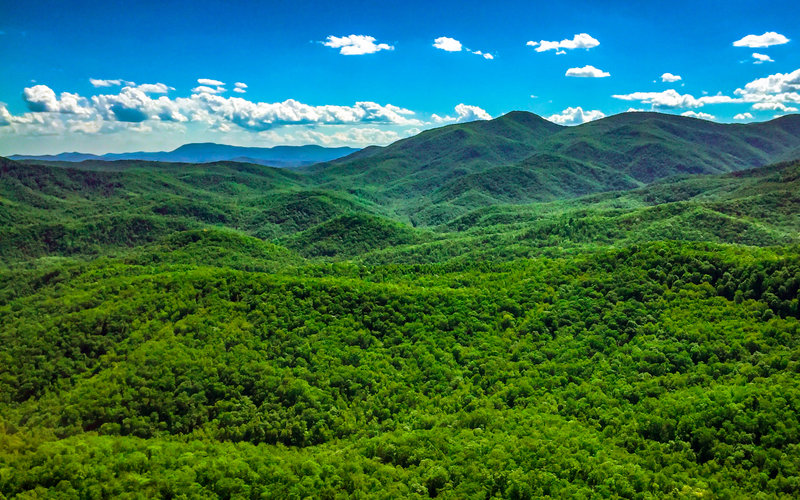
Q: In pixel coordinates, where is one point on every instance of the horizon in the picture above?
(155, 82)
(179, 146)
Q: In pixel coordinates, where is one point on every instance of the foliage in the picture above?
(236, 331)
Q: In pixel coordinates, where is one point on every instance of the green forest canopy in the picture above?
(237, 331)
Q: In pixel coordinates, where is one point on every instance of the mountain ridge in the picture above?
(207, 152)
(464, 164)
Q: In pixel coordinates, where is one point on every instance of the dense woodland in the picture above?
(446, 317)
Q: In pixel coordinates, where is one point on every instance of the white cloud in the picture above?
(352, 136)
(5, 116)
(672, 99)
(261, 116)
(448, 44)
(153, 88)
(780, 88)
(108, 83)
(701, 115)
(485, 55)
(467, 113)
(575, 116)
(587, 72)
(210, 83)
(761, 58)
(201, 89)
(239, 90)
(452, 45)
(773, 84)
(579, 41)
(743, 116)
(766, 40)
(464, 113)
(774, 106)
(240, 85)
(133, 105)
(355, 45)
(669, 77)
(41, 98)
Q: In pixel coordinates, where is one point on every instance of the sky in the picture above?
(117, 76)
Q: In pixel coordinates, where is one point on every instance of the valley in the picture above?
(501, 308)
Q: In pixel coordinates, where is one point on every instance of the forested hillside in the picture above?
(520, 157)
(499, 309)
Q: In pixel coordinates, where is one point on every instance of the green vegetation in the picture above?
(237, 331)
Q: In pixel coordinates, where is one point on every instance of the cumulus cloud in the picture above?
(108, 83)
(261, 116)
(761, 58)
(240, 87)
(41, 98)
(464, 113)
(355, 45)
(485, 55)
(202, 89)
(743, 116)
(701, 115)
(210, 83)
(669, 77)
(672, 99)
(467, 113)
(352, 136)
(579, 41)
(153, 88)
(774, 106)
(452, 45)
(766, 40)
(587, 72)
(773, 84)
(576, 116)
(135, 105)
(780, 88)
(448, 44)
(5, 116)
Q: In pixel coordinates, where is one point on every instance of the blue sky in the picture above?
(122, 76)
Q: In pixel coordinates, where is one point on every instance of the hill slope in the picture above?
(520, 158)
(229, 330)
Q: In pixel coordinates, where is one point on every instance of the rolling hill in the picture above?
(520, 158)
(499, 309)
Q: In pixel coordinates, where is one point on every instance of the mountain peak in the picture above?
(521, 117)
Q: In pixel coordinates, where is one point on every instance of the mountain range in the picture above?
(278, 156)
(497, 309)
(445, 187)
(520, 157)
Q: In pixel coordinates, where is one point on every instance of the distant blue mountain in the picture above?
(278, 156)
